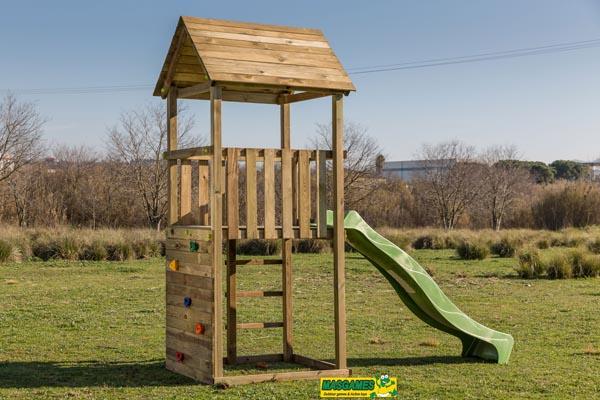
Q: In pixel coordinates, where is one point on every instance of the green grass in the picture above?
(96, 330)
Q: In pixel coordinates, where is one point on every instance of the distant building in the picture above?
(410, 169)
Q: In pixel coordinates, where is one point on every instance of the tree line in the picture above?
(125, 186)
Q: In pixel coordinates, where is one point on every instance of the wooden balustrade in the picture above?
(268, 193)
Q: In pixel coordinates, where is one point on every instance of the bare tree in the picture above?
(20, 135)
(137, 143)
(360, 164)
(450, 181)
(505, 179)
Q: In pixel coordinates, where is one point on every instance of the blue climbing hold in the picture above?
(187, 302)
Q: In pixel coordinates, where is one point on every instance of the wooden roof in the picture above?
(251, 58)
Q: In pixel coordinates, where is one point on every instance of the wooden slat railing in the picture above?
(292, 184)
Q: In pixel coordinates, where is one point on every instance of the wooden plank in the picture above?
(321, 194)
(195, 90)
(251, 193)
(295, 188)
(259, 325)
(206, 153)
(189, 372)
(304, 194)
(294, 98)
(185, 256)
(312, 363)
(194, 361)
(185, 192)
(259, 261)
(275, 70)
(200, 304)
(268, 56)
(256, 31)
(194, 281)
(249, 25)
(260, 293)
(233, 206)
(229, 381)
(260, 39)
(216, 218)
(257, 46)
(231, 303)
(172, 145)
(203, 190)
(204, 295)
(200, 246)
(192, 313)
(293, 82)
(339, 283)
(251, 359)
(286, 193)
(269, 194)
(189, 232)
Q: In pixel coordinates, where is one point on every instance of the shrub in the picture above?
(315, 246)
(120, 251)
(577, 257)
(141, 248)
(66, 248)
(429, 241)
(5, 250)
(402, 241)
(543, 243)
(256, 247)
(472, 250)
(530, 265)
(594, 245)
(505, 247)
(94, 251)
(558, 266)
(590, 266)
(44, 249)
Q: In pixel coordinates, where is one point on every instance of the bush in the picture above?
(505, 247)
(590, 266)
(315, 246)
(558, 266)
(120, 251)
(530, 265)
(472, 250)
(44, 249)
(594, 245)
(429, 241)
(95, 251)
(256, 247)
(5, 250)
(577, 258)
(67, 248)
(402, 241)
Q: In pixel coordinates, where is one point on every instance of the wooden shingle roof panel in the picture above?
(259, 54)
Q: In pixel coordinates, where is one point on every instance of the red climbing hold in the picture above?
(179, 356)
(199, 329)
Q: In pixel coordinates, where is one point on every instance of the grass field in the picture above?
(96, 330)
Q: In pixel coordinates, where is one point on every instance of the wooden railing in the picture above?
(268, 193)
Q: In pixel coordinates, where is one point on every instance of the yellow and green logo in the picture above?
(378, 387)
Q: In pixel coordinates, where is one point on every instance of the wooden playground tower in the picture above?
(220, 61)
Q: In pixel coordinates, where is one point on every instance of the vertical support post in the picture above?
(286, 250)
(172, 145)
(231, 303)
(339, 279)
(216, 217)
(203, 190)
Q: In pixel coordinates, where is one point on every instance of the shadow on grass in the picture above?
(412, 361)
(33, 374)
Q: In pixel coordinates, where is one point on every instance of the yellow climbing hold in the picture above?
(173, 265)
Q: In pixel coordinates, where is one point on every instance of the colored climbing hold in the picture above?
(173, 265)
(194, 246)
(179, 356)
(199, 328)
(187, 302)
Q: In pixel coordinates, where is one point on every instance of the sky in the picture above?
(546, 105)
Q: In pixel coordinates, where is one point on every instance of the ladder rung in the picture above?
(259, 325)
(259, 293)
(257, 261)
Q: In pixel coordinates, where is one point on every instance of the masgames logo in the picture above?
(380, 386)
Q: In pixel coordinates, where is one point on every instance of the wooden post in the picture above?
(216, 217)
(231, 303)
(286, 250)
(203, 190)
(172, 145)
(339, 279)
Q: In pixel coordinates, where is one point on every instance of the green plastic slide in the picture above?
(422, 295)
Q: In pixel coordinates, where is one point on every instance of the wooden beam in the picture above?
(339, 282)
(229, 381)
(206, 152)
(251, 193)
(231, 303)
(216, 217)
(260, 293)
(166, 89)
(203, 190)
(232, 194)
(185, 192)
(293, 98)
(250, 359)
(258, 325)
(312, 363)
(172, 146)
(195, 90)
(259, 261)
(286, 245)
(269, 194)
